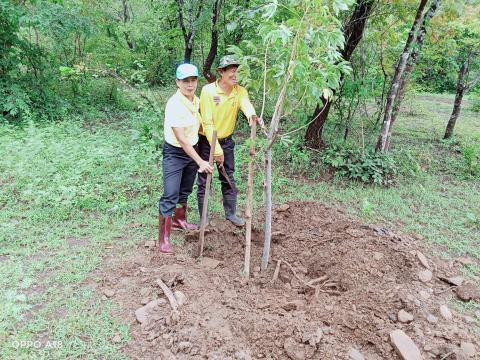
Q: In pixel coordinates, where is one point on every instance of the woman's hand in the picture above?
(204, 167)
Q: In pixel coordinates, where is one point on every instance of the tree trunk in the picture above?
(268, 209)
(353, 32)
(397, 78)
(188, 48)
(130, 43)
(458, 100)
(126, 18)
(207, 67)
(274, 123)
(412, 62)
(188, 34)
(315, 129)
(249, 209)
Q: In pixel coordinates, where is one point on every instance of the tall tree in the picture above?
(207, 67)
(465, 33)
(412, 61)
(353, 31)
(463, 85)
(398, 77)
(187, 23)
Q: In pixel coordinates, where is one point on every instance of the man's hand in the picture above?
(256, 119)
(219, 159)
(204, 167)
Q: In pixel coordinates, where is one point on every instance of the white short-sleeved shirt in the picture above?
(181, 112)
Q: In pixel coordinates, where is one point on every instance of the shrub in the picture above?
(367, 166)
(471, 159)
(475, 104)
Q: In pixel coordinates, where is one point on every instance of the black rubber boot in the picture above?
(230, 207)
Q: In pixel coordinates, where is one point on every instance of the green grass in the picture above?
(69, 190)
(63, 182)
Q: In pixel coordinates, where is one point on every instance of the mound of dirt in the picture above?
(341, 290)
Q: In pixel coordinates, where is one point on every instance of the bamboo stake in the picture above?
(207, 194)
(248, 212)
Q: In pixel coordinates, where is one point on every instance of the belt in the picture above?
(222, 140)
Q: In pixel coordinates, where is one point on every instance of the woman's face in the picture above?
(188, 85)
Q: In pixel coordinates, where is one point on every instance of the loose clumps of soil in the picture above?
(341, 290)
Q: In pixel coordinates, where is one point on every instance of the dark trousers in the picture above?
(179, 171)
(228, 146)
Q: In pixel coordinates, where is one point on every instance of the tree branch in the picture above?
(472, 83)
(181, 19)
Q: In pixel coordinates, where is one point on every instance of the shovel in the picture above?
(222, 170)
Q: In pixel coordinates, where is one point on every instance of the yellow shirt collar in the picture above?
(192, 106)
(220, 90)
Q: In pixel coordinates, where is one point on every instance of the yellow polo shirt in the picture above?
(181, 112)
(219, 111)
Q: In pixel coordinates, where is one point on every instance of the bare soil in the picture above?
(340, 285)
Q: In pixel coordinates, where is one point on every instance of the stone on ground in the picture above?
(404, 316)
(404, 346)
(468, 349)
(423, 260)
(209, 263)
(180, 296)
(146, 313)
(425, 275)
(354, 354)
(456, 280)
(445, 312)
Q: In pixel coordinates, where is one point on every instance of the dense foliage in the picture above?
(59, 58)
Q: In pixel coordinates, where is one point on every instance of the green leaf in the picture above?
(231, 26)
(270, 9)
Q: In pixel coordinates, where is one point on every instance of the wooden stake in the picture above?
(248, 212)
(203, 220)
(277, 271)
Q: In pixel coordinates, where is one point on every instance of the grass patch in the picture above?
(67, 193)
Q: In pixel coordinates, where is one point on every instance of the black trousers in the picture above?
(179, 171)
(228, 146)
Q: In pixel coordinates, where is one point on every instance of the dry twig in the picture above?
(169, 294)
(310, 284)
(444, 291)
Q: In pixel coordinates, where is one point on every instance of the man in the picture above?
(219, 105)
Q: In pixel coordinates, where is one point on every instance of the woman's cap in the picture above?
(186, 70)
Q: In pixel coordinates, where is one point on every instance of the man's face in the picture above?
(188, 85)
(229, 75)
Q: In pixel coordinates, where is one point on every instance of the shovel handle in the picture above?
(203, 220)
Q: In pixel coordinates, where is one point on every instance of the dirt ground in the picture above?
(339, 293)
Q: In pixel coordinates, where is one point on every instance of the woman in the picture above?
(180, 159)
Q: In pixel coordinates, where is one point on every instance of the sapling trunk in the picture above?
(249, 210)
